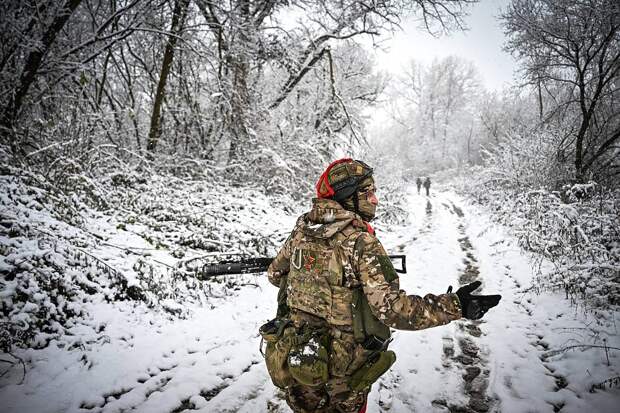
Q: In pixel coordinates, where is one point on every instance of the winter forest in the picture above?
(142, 141)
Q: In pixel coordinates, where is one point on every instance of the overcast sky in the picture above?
(482, 44)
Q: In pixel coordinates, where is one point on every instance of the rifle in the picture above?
(260, 264)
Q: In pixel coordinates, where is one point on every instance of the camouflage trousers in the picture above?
(333, 397)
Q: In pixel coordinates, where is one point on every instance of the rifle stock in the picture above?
(260, 264)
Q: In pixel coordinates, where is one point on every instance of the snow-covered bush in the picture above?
(527, 160)
(47, 272)
(577, 229)
(130, 234)
(393, 204)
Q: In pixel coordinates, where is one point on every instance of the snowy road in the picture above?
(210, 362)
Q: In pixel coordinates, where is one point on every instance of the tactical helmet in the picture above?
(342, 178)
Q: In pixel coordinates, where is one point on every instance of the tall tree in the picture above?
(251, 33)
(33, 61)
(178, 17)
(438, 106)
(575, 44)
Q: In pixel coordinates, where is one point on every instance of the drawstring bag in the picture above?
(308, 358)
(279, 334)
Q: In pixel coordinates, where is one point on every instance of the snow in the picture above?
(203, 354)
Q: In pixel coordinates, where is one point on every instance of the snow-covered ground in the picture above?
(126, 356)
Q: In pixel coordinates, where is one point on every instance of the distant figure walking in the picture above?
(427, 185)
(418, 183)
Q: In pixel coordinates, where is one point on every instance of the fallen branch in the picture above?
(552, 353)
(12, 363)
(612, 381)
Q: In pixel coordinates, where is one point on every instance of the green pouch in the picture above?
(365, 324)
(308, 359)
(370, 372)
(279, 335)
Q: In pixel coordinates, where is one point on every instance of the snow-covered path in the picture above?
(210, 362)
(501, 363)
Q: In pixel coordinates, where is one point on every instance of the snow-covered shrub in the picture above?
(393, 204)
(47, 272)
(55, 246)
(196, 222)
(577, 229)
(577, 192)
(528, 160)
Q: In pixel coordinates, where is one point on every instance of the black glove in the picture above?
(475, 306)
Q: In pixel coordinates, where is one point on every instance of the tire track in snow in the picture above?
(505, 384)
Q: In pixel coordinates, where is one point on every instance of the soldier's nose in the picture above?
(373, 198)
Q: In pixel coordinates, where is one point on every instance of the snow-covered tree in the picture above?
(436, 110)
(571, 48)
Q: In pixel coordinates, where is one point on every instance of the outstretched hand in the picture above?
(475, 306)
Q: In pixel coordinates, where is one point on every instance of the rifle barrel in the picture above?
(244, 266)
(260, 264)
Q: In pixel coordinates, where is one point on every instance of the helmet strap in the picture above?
(356, 203)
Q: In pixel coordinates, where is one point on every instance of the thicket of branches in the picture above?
(233, 86)
(564, 108)
(557, 162)
(570, 54)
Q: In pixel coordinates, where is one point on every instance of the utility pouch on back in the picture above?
(308, 359)
(367, 329)
(279, 334)
(371, 370)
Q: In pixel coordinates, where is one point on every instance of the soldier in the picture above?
(427, 185)
(418, 183)
(339, 296)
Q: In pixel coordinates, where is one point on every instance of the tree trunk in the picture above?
(178, 16)
(240, 101)
(33, 63)
(586, 113)
(240, 96)
(579, 154)
(540, 101)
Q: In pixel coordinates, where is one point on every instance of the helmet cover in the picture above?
(342, 178)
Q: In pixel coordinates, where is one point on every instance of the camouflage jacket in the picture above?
(361, 261)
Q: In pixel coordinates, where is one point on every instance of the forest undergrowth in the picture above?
(69, 239)
(58, 245)
(576, 228)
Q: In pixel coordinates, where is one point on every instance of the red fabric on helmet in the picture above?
(323, 179)
(363, 409)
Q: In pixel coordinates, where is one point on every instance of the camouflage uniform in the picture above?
(330, 253)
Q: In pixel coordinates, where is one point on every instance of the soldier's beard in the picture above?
(366, 210)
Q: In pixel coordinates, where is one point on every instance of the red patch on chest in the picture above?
(309, 262)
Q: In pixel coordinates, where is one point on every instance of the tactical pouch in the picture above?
(308, 358)
(367, 329)
(370, 372)
(279, 334)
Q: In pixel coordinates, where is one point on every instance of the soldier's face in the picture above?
(367, 201)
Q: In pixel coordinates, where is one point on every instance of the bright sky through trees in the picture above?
(482, 44)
